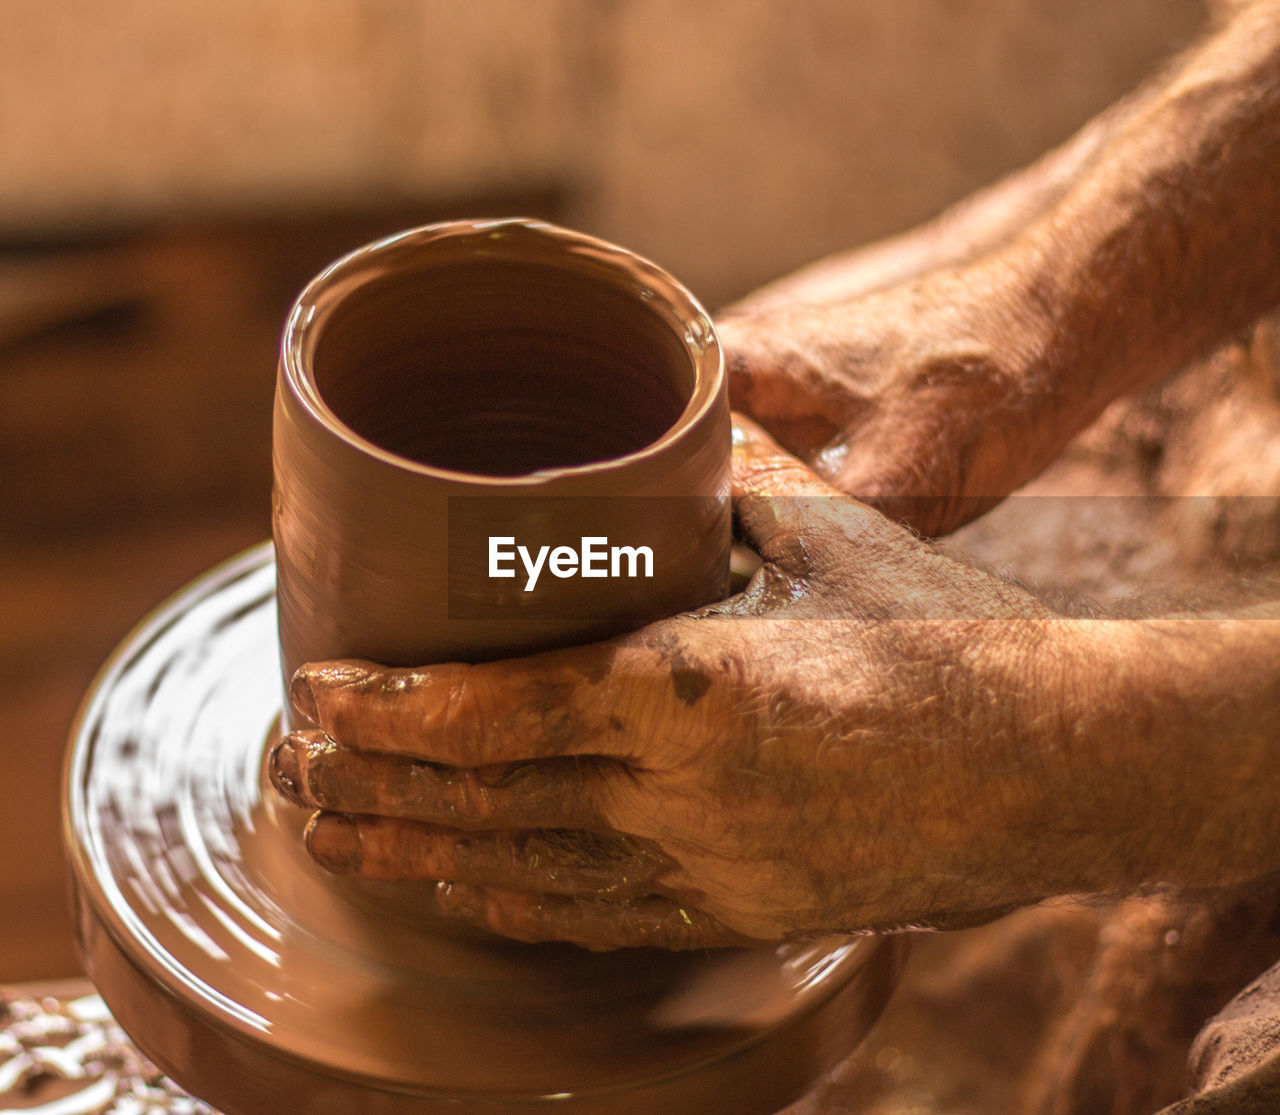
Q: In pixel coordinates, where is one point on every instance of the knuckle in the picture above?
(462, 798)
(450, 706)
(547, 719)
(625, 803)
(462, 700)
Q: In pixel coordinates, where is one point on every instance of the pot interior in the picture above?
(502, 367)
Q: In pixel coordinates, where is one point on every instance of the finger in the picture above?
(552, 861)
(593, 923)
(770, 372)
(311, 770)
(913, 472)
(763, 468)
(789, 514)
(582, 700)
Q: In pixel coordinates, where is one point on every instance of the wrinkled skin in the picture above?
(935, 373)
(911, 398)
(665, 788)
(872, 734)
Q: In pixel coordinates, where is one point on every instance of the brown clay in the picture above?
(251, 976)
(241, 969)
(496, 378)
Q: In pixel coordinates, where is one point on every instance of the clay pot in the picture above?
(247, 975)
(457, 383)
(494, 379)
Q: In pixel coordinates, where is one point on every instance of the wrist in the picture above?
(1165, 246)
(1166, 734)
(1012, 829)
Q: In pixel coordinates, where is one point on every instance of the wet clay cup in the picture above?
(469, 382)
(454, 393)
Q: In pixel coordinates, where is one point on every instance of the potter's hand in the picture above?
(786, 762)
(934, 374)
(912, 398)
(871, 735)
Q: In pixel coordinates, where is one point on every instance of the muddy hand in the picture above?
(919, 399)
(935, 374)
(783, 763)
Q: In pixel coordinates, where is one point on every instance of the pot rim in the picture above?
(325, 294)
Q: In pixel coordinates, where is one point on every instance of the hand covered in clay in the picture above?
(846, 744)
(935, 373)
(918, 398)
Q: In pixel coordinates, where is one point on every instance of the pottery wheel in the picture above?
(255, 979)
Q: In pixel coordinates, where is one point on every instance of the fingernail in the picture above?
(333, 839)
(303, 697)
(285, 771)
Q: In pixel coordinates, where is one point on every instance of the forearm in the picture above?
(984, 222)
(1169, 244)
(979, 224)
(1169, 736)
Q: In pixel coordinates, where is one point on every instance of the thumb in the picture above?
(762, 468)
(782, 505)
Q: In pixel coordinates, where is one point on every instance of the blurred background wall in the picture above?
(172, 172)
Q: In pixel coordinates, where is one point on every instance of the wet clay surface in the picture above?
(580, 387)
(189, 871)
(207, 927)
(1076, 1009)
(502, 367)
